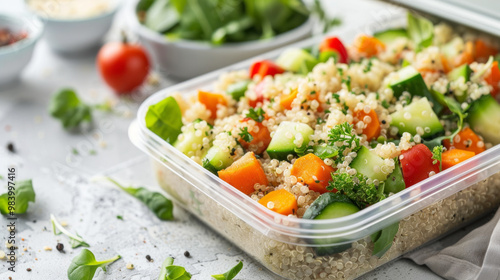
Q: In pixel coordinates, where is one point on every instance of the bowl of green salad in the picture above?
(189, 38)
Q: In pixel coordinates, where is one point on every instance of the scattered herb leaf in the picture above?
(22, 192)
(75, 240)
(230, 274)
(161, 206)
(69, 109)
(169, 271)
(84, 265)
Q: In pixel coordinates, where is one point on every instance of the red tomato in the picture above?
(493, 79)
(123, 66)
(417, 164)
(265, 68)
(334, 44)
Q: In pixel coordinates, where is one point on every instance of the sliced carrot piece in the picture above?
(368, 46)
(312, 171)
(493, 79)
(282, 202)
(467, 140)
(263, 135)
(454, 157)
(244, 173)
(372, 129)
(211, 100)
(446, 64)
(286, 100)
(467, 56)
(483, 51)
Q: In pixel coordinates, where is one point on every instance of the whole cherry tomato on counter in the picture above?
(123, 66)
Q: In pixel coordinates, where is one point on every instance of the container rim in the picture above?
(350, 228)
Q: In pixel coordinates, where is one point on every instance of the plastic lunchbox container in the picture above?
(284, 245)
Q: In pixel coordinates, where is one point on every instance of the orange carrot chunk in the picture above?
(211, 100)
(244, 173)
(466, 140)
(280, 201)
(372, 129)
(262, 136)
(286, 100)
(467, 56)
(312, 171)
(368, 46)
(454, 157)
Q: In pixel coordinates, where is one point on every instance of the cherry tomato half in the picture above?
(416, 164)
(334, 44)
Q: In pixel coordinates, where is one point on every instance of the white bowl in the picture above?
(14, 57)
(186, 59)
(70, 36)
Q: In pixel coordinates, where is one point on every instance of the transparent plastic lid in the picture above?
(296, 230)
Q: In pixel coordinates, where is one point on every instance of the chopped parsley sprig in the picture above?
(357, 188)
(437, 154)
(344, 134)
(245, 135)
(256, 114)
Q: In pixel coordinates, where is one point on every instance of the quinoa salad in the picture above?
(325, 132)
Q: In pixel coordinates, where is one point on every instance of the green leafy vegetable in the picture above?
(230, 274)
(256, 115)
(69, 109)
(75, 240)
(165, 119)
(156, 202)
(84, 265)
(222, 21)
(16, 200)
(173, 272)
(324, 151)
(382, 240)
(357, 189)
(245, 135)
(437, 153)
(420, 30)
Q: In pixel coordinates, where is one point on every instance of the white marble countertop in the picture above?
(62, 185)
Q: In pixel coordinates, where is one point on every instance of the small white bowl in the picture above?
(15, 57)
(71, 36)
(187, 59)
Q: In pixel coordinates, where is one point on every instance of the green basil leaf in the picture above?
(84, 265)
(69, 109)
(384, 240)
(173, 272)
(325, 151)
(163, 272)
(230, 274)
(231, 28)
(22, 194)
(165, 119)
(161, 206)
(420, 30)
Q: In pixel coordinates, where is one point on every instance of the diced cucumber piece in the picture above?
(330, 206)
(419, 115)
(366, 163)
(238, 89)
(389, 36)
(395, 182)
(464, 72)
(484, 118)
(297, 60)
(411, 80)
(217, 159)
(189, 139)
(326, 55)
(282, 144)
